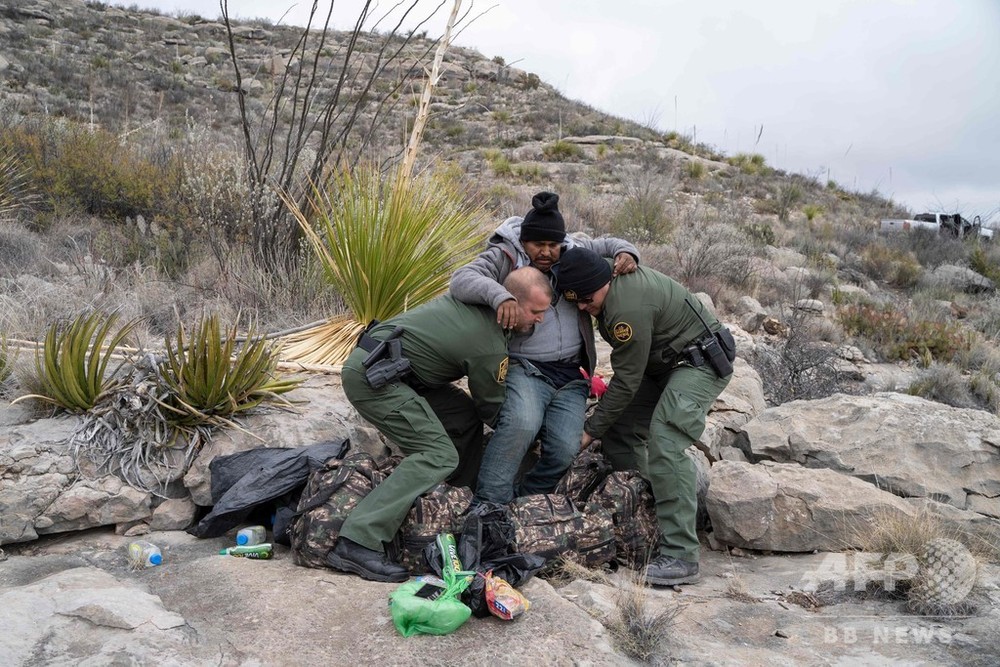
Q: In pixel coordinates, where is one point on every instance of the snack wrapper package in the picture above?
(429, 605)
(503, 600)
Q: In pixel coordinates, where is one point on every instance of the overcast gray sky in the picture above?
(902, 96)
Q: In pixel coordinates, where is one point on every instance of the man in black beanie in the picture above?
(543, 222)
(546, 391)
(671, 359)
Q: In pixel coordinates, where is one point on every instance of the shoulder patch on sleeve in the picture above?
(622, 332)
(502, 371)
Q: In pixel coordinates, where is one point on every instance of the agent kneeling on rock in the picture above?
(399, 379)
(671, 359)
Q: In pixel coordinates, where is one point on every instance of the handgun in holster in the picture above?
(386, 363)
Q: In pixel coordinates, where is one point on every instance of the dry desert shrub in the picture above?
(642, 629)
(943, 383)
(20, 251)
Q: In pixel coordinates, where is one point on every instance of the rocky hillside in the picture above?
(817, 461)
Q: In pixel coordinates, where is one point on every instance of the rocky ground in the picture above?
(72, 599)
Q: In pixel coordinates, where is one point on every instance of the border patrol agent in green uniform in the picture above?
(399, 379)
(671, 359)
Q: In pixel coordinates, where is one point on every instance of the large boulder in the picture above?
(785, 507)
(904, 444)
(41, 489)
(740, 403)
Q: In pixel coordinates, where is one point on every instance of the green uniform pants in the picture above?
(666, 416)
(441, 438)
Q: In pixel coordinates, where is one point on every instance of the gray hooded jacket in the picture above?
(565, 328)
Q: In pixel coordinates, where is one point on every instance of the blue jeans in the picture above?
(533, 407)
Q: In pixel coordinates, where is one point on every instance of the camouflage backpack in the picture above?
(440, 510)
(550, 525)
(331, 493)
(627, 498)
(585, 474)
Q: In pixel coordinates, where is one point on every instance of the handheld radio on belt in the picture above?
(718, 349)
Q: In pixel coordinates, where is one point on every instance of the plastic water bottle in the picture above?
(251, 535)
(255, 552)
(144, 554)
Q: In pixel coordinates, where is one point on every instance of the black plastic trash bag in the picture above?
(488, 542)
(245, 481)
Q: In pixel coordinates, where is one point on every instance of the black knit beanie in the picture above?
(544, 222)
(581, 273)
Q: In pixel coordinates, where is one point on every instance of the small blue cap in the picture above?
(155, 559)
(242, 539)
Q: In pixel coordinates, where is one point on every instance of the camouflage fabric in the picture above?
(440, 510)
(550, 525)
(595, 543)
(627, 497)
(585, 474)
(329, 496)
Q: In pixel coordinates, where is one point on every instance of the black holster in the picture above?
(718, 350)
(385, 362)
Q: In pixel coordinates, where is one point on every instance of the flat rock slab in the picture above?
(72, 599)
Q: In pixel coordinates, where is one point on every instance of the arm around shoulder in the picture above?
(480, 282)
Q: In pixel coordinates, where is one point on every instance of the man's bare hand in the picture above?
(624, 263)
(507, 314)
(585, 440)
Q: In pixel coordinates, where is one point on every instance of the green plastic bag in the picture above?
(429, 605)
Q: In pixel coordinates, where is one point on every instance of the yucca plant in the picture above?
(72, 364)
(211, 380)
(13, 182)
(386, 244)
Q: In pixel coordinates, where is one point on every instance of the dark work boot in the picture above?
(669, 571)
(349, 556)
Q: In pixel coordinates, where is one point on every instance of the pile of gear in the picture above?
(595, 516)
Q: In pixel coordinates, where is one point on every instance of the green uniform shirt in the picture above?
(646, 321)
(446, 340)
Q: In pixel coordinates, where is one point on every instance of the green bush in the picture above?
(760, 233)
(562, 150)
(811, 211)
(694, 169)
(749, 163)
(501, 166)
(892, 265)
(75, 168)
(895, 336)
(981, 262)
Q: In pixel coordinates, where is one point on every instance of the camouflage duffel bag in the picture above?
(440, 510)
(550, 526)
(628, 499)
(331, 493)
(585, 474)
(595, 543)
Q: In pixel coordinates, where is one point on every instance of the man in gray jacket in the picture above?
(546, 391)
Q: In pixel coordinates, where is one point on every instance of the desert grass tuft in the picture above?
(642, 632)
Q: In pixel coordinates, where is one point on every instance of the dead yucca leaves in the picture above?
(211, 380)
(72, 364)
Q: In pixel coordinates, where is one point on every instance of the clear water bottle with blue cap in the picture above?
(251, 535)
(143, 554)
